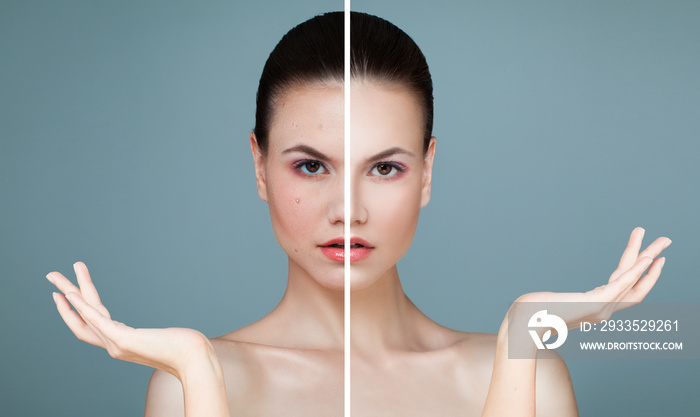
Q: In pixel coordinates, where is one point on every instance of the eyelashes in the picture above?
(387, 169)
(383, 170)
(310, 167)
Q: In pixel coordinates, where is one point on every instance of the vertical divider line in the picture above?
(346, 211)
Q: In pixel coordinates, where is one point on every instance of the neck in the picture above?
(311, 316)
(383, 319)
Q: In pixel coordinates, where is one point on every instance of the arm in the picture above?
(527, 387)
(164, 396)
(512, 390)
(167, 396)
(185, 353)
(555, 393)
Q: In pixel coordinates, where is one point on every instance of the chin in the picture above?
(334, 284)
(364, 278)
(358, 282)
(333, 280)
(330, 276)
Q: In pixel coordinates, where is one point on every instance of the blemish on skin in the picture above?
(320, 125)
(296, 250)
(297, 200)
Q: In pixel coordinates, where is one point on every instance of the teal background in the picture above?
(561, 126)
(123, 143)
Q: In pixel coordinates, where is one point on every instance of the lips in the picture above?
(334, 249)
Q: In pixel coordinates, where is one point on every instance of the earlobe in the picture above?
(428, 172)
(259, 161)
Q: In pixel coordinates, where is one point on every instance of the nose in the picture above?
(336, 206)
(336, 202)
(358, 210)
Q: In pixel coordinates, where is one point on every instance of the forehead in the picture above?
(311, 114)
(381, 117)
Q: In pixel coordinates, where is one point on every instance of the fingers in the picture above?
(631, 253)
(100, 325)
(656, 247)
(91, 314)
(641, 288)
(114, 336)
(61, 282)
(621, 285)
(87, 288)
(74, 322)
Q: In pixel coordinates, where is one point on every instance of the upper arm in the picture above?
(554, 391)
(164, 396)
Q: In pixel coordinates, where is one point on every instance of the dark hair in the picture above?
(313, 52)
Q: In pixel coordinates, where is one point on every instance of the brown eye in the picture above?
(312, 167)
(384, 169)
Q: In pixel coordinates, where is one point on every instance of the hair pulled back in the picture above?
(312, 52)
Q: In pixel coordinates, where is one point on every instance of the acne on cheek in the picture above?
(294, 217)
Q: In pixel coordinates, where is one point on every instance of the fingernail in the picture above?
(662, 261)
(50, 278)
(668, 243)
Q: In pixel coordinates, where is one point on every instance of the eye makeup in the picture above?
(387, 170)
(310, 167)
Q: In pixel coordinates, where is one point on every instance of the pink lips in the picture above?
(337, 253)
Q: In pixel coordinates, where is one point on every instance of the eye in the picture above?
(310, 167)
(386, 169)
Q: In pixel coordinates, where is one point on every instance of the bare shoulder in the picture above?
(554, 390)
(164, 396)
(237, 361)
(475, 356)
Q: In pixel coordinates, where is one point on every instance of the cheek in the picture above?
(293, 210)
(396, 211)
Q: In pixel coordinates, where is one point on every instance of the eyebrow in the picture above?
(389, 152)
(307, 150)
(318, 155)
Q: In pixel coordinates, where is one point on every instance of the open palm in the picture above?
(167, 349)
(626, 286)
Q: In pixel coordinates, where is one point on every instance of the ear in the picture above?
(259, 161)
(427, 172)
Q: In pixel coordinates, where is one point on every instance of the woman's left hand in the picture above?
(512, 389)
(626, 286)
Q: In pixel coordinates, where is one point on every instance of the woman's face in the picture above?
(301, 178)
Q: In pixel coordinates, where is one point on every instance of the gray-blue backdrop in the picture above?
(561, 126)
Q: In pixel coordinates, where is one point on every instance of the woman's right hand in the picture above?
(174, 350)
(185, 353)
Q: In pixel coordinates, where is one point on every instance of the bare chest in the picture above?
(418, 388)
(294, 384)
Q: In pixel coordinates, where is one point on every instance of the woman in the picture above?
(291, 361)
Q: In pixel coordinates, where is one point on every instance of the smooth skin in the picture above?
(291, 361)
